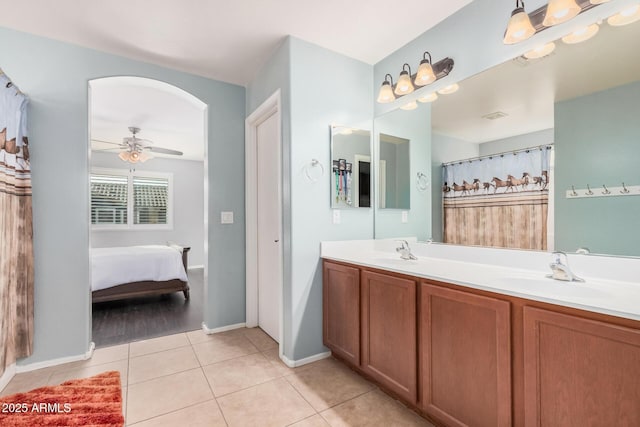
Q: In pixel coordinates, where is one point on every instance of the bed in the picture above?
(135, 271)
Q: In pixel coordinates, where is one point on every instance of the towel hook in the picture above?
(589, 192)
(573, 191)
(606, 190)
(624, 190)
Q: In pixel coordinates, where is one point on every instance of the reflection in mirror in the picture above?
(583, 98)
(393, 172)
(351, 167)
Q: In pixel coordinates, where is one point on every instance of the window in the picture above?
(130, 200)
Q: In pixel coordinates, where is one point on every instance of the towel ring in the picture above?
(310, 166)
(422, 181)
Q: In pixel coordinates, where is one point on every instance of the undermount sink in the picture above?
(395, 261)
(549, 287)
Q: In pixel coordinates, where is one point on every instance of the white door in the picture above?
(269, 226)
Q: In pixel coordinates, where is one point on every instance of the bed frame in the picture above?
(146, 288)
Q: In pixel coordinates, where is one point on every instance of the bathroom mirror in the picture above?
(350, 167)
(582, 98)
(393, 172)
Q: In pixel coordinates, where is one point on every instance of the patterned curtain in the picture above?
(498, 201)
(16, 231)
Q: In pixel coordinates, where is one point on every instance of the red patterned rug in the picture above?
(94, 401)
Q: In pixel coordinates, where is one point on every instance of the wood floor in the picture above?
(135, 319)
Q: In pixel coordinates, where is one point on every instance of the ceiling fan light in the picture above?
(449, 89)
(559, 11)
(541, 51)
(519, 27)
(581, 35)
(425, 74)
(626, 16)
(428, 98)
(124, 156)
(144, 156)
(404, 85)
(410, 106)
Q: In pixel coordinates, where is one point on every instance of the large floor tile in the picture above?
(223, 347)
(88, 371)
(313, 421)
(99, 357)
(328, 383)
(373, 409)
(166, 362)
(260, 339)
(239, 373)
(166, 394)
(26, 381)
(206, 414)
(274, 403)
(140, 348)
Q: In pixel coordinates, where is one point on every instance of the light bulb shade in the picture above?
(428, 98)
(425, 74)
(559, 11)
(598, 1)
(519, 27)
(144, 156)
(626, 16)
(410, 106)
(581, 35)
(449, 89)
(541, 51)
(404, 85)
(386, 93)
(124, 156)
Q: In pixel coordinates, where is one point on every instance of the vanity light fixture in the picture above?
(519, 27)
(581, 35)
(541, 51)
(386, 92)
(404, 85)
(626, 16)
(425, 74)
(449, 89)
(428, 98)
(598, 1)
(410, 106)
(559, 11)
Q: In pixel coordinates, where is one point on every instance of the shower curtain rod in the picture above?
(490, 156)
(10, 83)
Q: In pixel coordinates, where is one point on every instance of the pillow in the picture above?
(175, 246)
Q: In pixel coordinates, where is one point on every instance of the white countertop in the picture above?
(612, 284)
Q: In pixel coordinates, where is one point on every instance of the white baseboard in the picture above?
(295, 363)
(54, 362)
(221, 328)
(7, 375)
(194, 267)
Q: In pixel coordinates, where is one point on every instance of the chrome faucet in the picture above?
(404, 250)
(560, 268)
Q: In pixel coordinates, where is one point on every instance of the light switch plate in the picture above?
(336, 216)
(405, 217)
(226, 217)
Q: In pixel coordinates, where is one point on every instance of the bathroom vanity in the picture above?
(475, 336)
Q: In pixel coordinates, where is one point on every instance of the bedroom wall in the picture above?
(55, 76)
(188, 207)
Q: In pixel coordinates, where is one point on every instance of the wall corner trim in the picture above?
(7, 375)
(54, 362)
(209, 331)
(296, 363)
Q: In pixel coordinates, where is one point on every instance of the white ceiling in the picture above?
(226, 40)
(527, 91)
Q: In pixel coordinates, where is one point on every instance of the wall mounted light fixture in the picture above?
(554, 13)
(428, 72)
(626, 16)
(541, 51)
(582, 34)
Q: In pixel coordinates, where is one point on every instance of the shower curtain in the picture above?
(498, 201)
(16, 230)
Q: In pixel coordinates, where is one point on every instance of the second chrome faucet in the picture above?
(560, 268)
(404, 250)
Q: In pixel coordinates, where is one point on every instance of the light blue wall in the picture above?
(414, 125)
(597, 142)
(517, 142)
(188, 207)
(55, 76)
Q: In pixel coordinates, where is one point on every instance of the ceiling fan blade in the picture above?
(164, 151)
(109, 149)
(106, 142)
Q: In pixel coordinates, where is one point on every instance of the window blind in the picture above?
(150, 200)
(109, 199)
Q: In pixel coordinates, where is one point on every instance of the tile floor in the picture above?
(233, 378)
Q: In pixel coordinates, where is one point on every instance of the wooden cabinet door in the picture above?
(579, 372)
(341, 311)
(465, 357)
(389, 341)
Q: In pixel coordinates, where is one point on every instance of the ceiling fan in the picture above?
(134, 149)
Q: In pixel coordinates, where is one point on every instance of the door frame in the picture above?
(268, 108)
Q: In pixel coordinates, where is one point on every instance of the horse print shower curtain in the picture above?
(16, 236)
(498, 201)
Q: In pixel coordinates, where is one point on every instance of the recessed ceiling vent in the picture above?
(495, 116)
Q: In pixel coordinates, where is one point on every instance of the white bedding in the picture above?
(116, 266)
